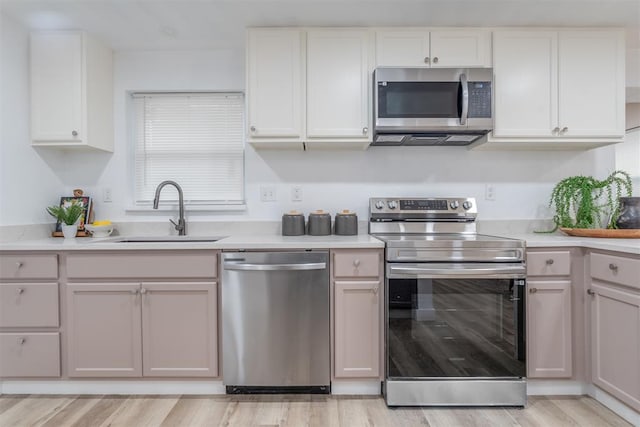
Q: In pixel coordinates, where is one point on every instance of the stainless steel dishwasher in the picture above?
(275, 322)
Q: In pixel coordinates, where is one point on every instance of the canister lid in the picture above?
(346, 212)
(292, 213)
(319, 212)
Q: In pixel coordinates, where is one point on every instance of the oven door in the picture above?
(455, 320)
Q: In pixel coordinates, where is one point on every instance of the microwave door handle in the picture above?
(465, 99)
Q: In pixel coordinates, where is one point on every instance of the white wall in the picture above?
(28, 182)
(331, 180)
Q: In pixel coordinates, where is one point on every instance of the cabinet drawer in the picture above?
(28, 304)
(625, 271)
(184, 264)
(356, 263)
(555, 263)
(29, 266)
(30, 355)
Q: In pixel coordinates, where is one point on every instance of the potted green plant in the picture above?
(585, 202)
(69, 216)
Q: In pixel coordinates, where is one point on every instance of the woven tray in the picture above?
(631, 233)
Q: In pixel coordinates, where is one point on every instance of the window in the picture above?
(195, 139)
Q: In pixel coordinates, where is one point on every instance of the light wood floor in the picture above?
(289, 410)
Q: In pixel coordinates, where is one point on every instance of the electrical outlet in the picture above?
(489, 192)
(106, 195)
(268, 194)
(296, 194)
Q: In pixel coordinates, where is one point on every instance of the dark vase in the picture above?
(629, 213)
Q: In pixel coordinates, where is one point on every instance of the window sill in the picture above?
(187, 208)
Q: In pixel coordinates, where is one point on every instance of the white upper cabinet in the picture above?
(71, 91)
(338, 84)
(559, 86)
(591, 83)
(440, 48)
(275, 84)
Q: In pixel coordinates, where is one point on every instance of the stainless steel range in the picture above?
(455, 301)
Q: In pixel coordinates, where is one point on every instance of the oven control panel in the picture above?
(429, 207)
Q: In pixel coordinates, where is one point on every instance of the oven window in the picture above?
(419, 100)
(455, 328)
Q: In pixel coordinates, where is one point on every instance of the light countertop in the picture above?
(272, 240)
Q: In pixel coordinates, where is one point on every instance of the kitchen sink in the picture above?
(160, 239)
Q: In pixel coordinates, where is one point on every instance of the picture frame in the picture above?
(85, 202)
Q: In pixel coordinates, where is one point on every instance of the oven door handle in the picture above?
(452, 270)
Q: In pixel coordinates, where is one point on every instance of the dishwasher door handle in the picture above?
(275, 267)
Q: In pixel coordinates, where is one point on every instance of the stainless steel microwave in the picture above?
(432, 106)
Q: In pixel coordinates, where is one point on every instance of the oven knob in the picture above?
(392, 204)
(467, 205)
(454, 204)
(379, 204)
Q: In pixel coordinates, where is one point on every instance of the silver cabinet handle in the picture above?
(613, 267)
(591, 292)
(19, 264)
(134, 291)
(564, 129)
(143, 291)
(253, 128)
(426, 59)
(20, 291)
(465, 99)
(22, 340)
(375, 291)
(365, 130)
(549, 261)
(533, 290)
(74, 133)
(356, 262)
(435, 59)
(275, 267)
(555, 130)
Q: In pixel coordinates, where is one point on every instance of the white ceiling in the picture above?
(206, 24)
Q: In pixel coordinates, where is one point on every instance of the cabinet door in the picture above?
(357, 329)
(615, 340)
(103, 330)
(337, 84)
(526, 83)
(179, 329)
(274, 83)
(402, 49)
(549, 329)
(56, 87)
(459, 48)
(591, 83)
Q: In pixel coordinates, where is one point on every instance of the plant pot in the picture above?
(629, 213)
(69, 231)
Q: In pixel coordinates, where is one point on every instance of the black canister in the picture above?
(293, 224)
(319, 223)
(346, 223)
(629, 217)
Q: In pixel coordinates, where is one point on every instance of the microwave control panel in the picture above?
(479, 99)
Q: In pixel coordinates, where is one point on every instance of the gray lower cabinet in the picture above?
(614, 294)
(142, 313)
(142, 329)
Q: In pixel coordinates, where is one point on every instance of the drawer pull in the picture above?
(591, 292)
(134, 291)
(356, 262)
(20, 291)
(22, 340)
(533, 290)
(613, 267)
(375, 291)
(19, 264)
(549, 261)
(143, 291)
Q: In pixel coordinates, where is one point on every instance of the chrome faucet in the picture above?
(181, 226)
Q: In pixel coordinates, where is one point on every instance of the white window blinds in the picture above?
(196, 140)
